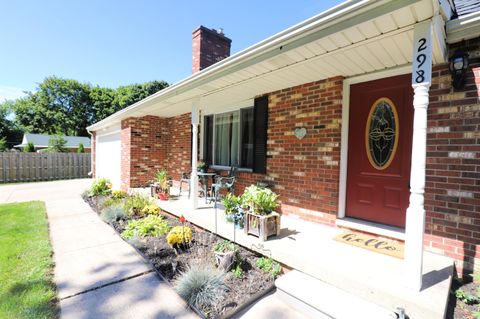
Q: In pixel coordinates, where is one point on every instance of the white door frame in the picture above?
(342, 196)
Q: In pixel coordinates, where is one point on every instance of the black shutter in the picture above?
(208, 139)
(260, 120)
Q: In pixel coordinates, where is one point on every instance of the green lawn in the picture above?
(26, 265)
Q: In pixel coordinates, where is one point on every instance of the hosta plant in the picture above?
(135, 204)
(149, 226)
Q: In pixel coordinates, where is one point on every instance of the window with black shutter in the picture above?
(237, 138)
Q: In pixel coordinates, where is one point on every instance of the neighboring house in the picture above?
(325, 111)
(40, 141)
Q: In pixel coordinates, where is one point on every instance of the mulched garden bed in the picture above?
(464, 301)
(170, 262)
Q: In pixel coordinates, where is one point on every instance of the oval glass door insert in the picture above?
(381, 133)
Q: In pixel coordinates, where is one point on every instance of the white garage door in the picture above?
(108, 154)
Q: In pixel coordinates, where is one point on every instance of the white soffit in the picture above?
(379, 43)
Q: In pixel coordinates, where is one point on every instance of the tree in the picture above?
(59, 106)
(57, 144)
(29, 148)
(68, 107)
(8, 127)
(3, 144)
(80, 148)
(130, 94)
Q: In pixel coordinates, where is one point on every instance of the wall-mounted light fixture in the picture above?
(458, 67)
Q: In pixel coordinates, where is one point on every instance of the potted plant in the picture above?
(202, 166)
(225, 254)
(233, 210)
(260, 218)
(163, 187)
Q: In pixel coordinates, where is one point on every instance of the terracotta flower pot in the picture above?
(162, 196)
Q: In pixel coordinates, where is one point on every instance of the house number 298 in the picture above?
(421, 58)
(422, 54)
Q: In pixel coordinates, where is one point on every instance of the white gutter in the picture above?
(464, 28)
(333, 20)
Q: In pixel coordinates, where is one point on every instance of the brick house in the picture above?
(329, 113)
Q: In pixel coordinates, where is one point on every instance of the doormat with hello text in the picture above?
(379, 245)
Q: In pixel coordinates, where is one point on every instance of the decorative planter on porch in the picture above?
(262, 226)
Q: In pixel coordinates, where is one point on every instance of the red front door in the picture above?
(379, 150)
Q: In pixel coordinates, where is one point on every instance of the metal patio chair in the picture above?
(224, 182)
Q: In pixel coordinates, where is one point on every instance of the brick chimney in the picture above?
(208, 47)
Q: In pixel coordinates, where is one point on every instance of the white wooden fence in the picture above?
(30, 167)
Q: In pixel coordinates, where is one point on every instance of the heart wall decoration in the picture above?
(300, 132)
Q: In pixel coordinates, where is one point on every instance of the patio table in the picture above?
(205, 177)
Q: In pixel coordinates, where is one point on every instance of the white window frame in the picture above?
(224, 167)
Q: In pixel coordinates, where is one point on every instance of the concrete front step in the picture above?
(317, 299)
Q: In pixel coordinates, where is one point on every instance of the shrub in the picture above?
(201, 286)
(113, 213)
(224, 246)
(148, 226)
(101, 186)
(3, 144)
(261, 200)
(269, 265)
(135, 203)
(231, 203)
(118, 194)
(29, 148)
(57, 144)
(179, 235)
(151, 209)
(81, 148)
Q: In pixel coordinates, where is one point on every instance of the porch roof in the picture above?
(356, 37)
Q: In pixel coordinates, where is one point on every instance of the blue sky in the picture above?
(112, 43)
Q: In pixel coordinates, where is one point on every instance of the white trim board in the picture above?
(342, 194)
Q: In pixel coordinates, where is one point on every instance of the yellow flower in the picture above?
(109, 185)
(179, 235)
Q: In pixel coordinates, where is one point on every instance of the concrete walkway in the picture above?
(98, 275)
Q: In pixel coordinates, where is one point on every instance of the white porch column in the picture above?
(415, 223)
(193, 175)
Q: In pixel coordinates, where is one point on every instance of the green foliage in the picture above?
(179, 235)
(57, 144)
(118, 194)
(224, 246)
(29, 148)
(81, 148)
(3, 144)
(101, 186)
(231, 203)
(466, 297)
(149, 226)
(65, 106)
(201, 165)
(113, 213)
(135, 204)
(238, 271)
(261, 200)
(201, 286)
(111, 201)
(162, 179)
(269, 265)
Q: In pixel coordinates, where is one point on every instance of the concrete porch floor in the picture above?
(310, 248)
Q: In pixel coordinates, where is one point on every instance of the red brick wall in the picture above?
(179, 147)
(144, 149)
(305, 173)
(453, 165)
(208, 47)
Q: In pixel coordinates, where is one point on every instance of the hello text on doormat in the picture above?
(383, 246)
